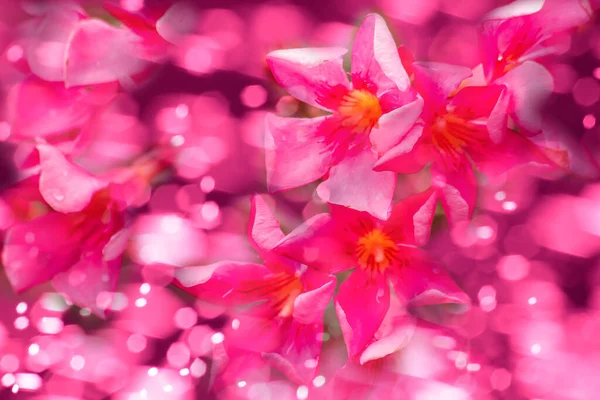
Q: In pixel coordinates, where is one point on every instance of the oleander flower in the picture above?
(290, 299)
(380, 253)
(369, 115)
(75, 238)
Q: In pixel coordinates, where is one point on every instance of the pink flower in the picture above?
(380, 252)
(527, 30)
(369, 116)
(458, 128)
(77, 244)
(285, 324)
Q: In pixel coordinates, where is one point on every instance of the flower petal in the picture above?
(311, 75)
(529, 86)
(361, 305)
(37, 250)
(100, 53)
(395, 125)
(265, 231)
(375, 59)
(310, 305)
(436, 81)
(353, 183)
(296, 154)
(318, 243)
(219, 282)
(457, 190)
(65, 186)
(411, 218)
(409, 156)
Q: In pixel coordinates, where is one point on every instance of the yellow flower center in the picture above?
(360, 110)
(376, 251)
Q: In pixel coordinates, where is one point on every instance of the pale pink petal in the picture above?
(375, 59)
(309, 306)
(353, 183)
(318, 243)
(35, 251)
(437, 81)
(90, 283)
(65, 186)
(425, 285)
(457, 190)
(179, 21)
(529, 86)
(516, 9)
(99, 53)
(411, 218)
(559, 15)
(312, 75)
(296, 153)
(46, 50)
(409, 156)
(264, 229)
(395, 125)
(362, 303)
(220, 282)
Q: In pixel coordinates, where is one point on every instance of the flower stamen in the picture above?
(360, 110)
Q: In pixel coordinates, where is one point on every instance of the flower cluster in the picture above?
(87, 168)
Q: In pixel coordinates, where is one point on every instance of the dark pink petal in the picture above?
(425, 285)
(529, 86)
(47, 48)
(90, 283)
(394, 126)
(457, 190)
(353, 183)
(310, 305)
(375, 59)
(65, 186)
(311, 75)
(296, 152)
(411, 218)
(100, 53)
(361, 305)
(409, 156)
(266, 334)
(219, 282)
(264, 229)
(35, 251)
(437, 81)
(318, 243)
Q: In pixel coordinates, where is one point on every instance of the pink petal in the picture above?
(318, 243)
(296, 154)
(395, 125)
(218, 282)
(179, 21)
(375, 59)
(37, 250)
(457, 190)
(265, 231)
(65, 186)
(311, 75)
(90, 283)
(47, 48)
(353, 183)
(361, 304)
(516, 9)
(310, 305)
(529, 86)
(436, 81)
(99, 53)
(411, 218)
(409, 156)
(425, 284)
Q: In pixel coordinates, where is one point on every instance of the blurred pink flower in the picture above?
(383, 252)
(77, 244)
(286, 322)
(370, 115)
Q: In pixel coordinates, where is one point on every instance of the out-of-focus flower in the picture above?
(382, 252)
(78, 239)
(369, 116)
(286, 322)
